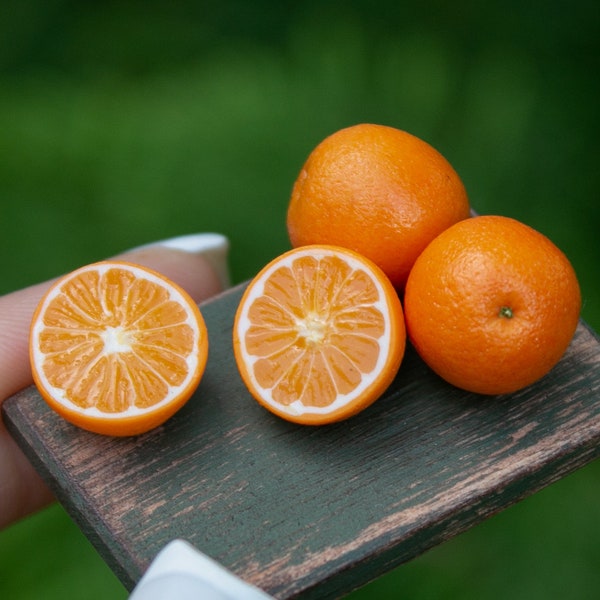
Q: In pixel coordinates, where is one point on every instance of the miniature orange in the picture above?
(117, 348)
(379, 191)
(491, 305)
(319, 335)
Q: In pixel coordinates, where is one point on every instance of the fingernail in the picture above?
(213, 246)
(181, 571)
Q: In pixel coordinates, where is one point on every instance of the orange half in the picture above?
(319, 334)
(117, 348)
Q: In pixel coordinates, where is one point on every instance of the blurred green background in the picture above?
(123, 123)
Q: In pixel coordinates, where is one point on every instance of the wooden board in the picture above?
(314, 512)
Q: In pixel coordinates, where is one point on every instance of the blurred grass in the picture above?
(121, 124)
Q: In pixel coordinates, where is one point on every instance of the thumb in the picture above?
(197, 263)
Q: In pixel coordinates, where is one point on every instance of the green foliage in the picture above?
(122, 124)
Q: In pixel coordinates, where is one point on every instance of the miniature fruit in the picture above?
(491, 305)
(319, 334)
(379, 191)
(116, 348)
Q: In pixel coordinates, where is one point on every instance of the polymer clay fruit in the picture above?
(319, 334)
(491, 305)
(117, 348)
(379, 191)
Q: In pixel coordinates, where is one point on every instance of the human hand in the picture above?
(197, 263)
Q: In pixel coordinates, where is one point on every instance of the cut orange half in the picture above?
(116, 348)
(319, 334)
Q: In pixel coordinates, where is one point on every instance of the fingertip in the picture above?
(196, 262)
(213, 247)
(192, 272)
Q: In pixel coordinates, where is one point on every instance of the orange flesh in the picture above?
(315, 331)
(111, 348)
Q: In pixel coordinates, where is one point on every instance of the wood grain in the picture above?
(314, 512)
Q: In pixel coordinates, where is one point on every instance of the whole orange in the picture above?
(491, 305)
(379, 191)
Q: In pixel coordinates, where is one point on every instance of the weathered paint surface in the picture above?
(314, 512)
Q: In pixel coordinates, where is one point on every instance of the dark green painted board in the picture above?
(314, 512)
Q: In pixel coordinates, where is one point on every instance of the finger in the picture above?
(196, 263)
(22, 490)
(214, 247)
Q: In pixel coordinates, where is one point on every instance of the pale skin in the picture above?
(22, 491)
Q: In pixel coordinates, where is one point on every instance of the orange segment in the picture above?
(117, 348)
(319, 334)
